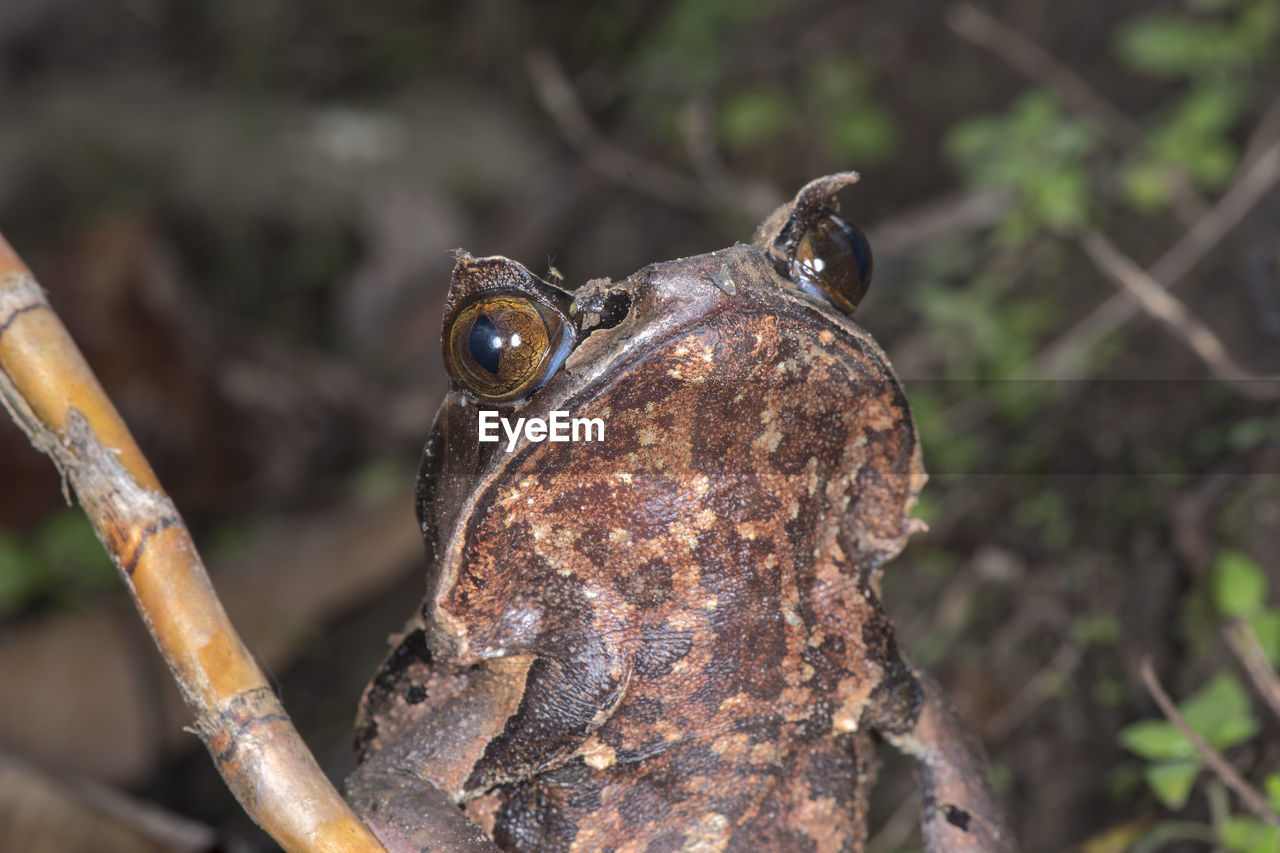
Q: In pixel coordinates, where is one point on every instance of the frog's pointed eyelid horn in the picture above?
(474, 276)
(781, 231)
(817, 251)
(505, 331)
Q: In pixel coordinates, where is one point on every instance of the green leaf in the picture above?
(1047, 512)
(1221, 711)
(1271, 787)
(1110, 692)
(1156, 740)
(1212, 107)
(1212, 163)
(74, 563)
(1266, 624)
(1249, 433)
(1096, 630)
(19, 574)
(1241, 834)
(950, 451)
(1239, 585)
(1159, 44)
(863, 133)
(1192, 140)
(685, 51)
(754, 117)
(926, 509)
(1171, 781)
(1062, 199)
(1173, 45)
(838, 93)
(1034, 150)
(837, 80)
(1146, 186)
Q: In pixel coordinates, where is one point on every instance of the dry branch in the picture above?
(42, 812)
(51, 393)
(1061, 359)
(1244, 644)
(1035, 692)
(1168, 309)
(558, 98)
(1222, 768)
(716, 187)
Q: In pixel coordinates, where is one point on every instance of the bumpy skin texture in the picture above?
(671, 639)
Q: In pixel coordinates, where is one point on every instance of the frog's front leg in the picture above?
(411, 815)
(960, 811)
(567, 697)
(433, 734)
(423, 725)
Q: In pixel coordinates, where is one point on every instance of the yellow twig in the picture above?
(1168, 309)
(1062, 358)
(51, 393)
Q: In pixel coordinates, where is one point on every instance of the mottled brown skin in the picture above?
(671, 639)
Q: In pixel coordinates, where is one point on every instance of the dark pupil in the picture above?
(485, 344)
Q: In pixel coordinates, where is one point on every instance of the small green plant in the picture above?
(832, 100)
(854, 127)
(754, 117)
(1054, 163)
(1212, 48)
(825, 105)
(1037, 152)
(1222, 712)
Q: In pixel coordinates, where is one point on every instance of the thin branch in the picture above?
(1036, 63)
(1260, 169)
(936, 219)
(896, 235)
(1222, 768)
(558, 98)
(697, 126)
(1061, 359)
(1033, 694)
(1264, 135)
(55, 398)
(1165, 307)
(1244, 644)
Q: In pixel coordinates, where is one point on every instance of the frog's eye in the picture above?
(505, 345)
(833, 261)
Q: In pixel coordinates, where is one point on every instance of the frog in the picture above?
(671, 636)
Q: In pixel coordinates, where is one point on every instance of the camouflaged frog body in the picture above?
(669, 639)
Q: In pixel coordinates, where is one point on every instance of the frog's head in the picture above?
(747, 420)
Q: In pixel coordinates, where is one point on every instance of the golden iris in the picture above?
(502, 346)
(833, 259)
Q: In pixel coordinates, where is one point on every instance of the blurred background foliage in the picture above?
(244, 211)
